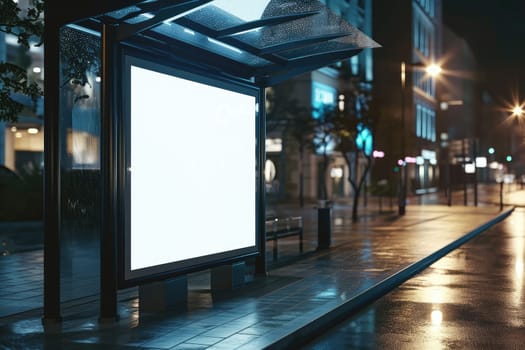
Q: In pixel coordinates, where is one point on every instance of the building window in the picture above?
(418, 120)
(354, 64)
(416, 32)
(428, 6)
(322, 96)
(369, 72)
(433, 123)
(425, 123)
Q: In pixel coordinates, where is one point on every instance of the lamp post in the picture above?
(517, 116)
(403, 170)
(433, 70)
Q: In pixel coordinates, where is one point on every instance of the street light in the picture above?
(517, 111)
(432, 70)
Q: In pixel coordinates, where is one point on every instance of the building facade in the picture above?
(458, 124)
(405, 96)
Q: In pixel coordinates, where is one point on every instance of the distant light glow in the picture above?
(98, 79)
(336, 173)
(494, 165)
(481, 162)
(517, 111)
(436, 316)
(410, 159)
(491, 150)
(378, 154)
(428, 154)
(37, 70)
(508, 178)
(434, 70)
(32, 131)
(13, 129)
(269, 171)
(519, 268)
(470, 168)
(274, 145)
(508, 158)
(341, 103)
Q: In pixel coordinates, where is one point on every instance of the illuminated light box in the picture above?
(190, 170)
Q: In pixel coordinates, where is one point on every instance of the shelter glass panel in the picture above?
(80, 159)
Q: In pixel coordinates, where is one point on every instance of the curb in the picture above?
(312, 326)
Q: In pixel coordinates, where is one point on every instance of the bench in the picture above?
(280, 228)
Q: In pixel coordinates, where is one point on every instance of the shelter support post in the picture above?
(52, 175)
(108, 248)
(260, 260)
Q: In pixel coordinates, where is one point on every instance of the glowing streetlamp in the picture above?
(433, 70)
(517, 111)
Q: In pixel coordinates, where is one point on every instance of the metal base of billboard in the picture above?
(228, 277)
(165, 295)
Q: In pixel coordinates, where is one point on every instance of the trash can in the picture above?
(324, 225)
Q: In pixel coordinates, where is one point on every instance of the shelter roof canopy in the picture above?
(260, 40)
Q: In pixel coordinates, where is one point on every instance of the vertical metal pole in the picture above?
(501, 195)
(449, 184)
(108, 248)
(260, 261)
(403, 170)
(475, 152)
(52, 140)
(448, 176)
(464, 175)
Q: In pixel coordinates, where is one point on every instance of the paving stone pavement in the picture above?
(301, 295)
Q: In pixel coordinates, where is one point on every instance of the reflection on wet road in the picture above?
(473, 298)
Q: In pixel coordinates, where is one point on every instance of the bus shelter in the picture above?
(188, 67)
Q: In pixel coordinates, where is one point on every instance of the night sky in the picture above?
(495, 31)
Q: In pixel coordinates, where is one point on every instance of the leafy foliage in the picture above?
(13, 79)
(80, 53)
(26, 26)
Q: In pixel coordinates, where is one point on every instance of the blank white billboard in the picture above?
(192, 170)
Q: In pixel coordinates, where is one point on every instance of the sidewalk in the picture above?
(296, 299)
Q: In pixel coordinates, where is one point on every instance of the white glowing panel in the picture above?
(193, 176)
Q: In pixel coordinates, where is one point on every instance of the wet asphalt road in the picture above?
(473, 298)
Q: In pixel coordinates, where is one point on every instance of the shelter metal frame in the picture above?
(299, 39)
